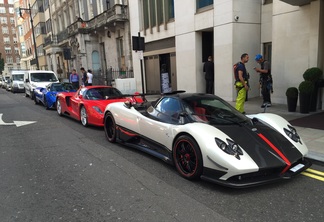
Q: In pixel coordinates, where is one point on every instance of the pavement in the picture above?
(314, 138)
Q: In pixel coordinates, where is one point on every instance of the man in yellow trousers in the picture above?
(241, 82)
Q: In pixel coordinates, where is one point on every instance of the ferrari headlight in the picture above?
(292, 134)
(229, 147)
(97, 109)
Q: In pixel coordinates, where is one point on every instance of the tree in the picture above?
(1, 64)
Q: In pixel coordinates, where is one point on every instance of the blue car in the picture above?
(47, 95)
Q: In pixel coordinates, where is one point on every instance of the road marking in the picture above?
(315, 174)
(15, 123)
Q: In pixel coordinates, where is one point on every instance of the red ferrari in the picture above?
(88, 103)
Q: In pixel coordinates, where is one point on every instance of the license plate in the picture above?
(297, 167)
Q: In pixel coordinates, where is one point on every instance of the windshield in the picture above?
(43, 77)
(214, 110)
(19, 77)
(102, 93)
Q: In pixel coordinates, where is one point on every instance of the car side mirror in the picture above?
(27, 80)
(128, 104)
(80, 96)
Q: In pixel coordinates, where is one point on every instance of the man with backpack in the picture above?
(241, 82)
(265, 79)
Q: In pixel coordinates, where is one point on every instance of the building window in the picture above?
(9, 59)
(6, 40)
(12, 20)
(40, 50)
(5, 30)
(2, 10)
(40, 29)
(8, 50)
(11, 10)
(49, 25)
(3, 20)
(157, 12)
(204, 3)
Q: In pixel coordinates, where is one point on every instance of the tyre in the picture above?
(36, 101)
(45, 103)
(110, 128)
(59, 107)
(187, 157)
(83, 116)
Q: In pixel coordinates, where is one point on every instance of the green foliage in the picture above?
(292, 92)
(306, 87)
(1, 64)
(313, 74)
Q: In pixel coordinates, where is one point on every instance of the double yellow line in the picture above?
(318, 175)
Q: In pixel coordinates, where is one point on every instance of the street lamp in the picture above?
(32, 25)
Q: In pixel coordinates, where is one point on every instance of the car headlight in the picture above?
(229, 147)
(97, 109)
(292, 134)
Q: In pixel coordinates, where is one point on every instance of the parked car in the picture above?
(9, 84)
(47, 95)
(17, 77)
(5, 81)
(37, 78)
(88, 103)
(205, 137)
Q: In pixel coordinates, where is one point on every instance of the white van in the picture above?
(37, 78)
(17, 84)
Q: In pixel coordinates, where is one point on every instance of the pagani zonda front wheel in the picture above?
(187, 157)
(84, 116)
(110, 128)
(59, 107)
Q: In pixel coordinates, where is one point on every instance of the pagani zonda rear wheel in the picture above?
(59, 107)
(84, 116)
(110, 128)
(187, 157)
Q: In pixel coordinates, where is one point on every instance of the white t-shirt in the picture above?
(90, 76)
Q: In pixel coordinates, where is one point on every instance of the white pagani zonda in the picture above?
(205, 137)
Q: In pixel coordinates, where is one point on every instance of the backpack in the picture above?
(234, 71)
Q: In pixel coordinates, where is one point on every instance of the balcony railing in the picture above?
(62, 36)
(117, 13)
(50, 40)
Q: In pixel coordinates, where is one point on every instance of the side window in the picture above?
(169, 106)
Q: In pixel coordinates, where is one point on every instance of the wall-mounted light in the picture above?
(236, 18)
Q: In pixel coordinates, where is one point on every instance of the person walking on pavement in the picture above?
(241, 83)
(265, 79)
(89, 77)
(74, 79)
(209, 75)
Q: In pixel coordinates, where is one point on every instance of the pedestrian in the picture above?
(74, 79)
(209, 75)
(241, 82)
(84, 77)
(89, 77)
(265, 80)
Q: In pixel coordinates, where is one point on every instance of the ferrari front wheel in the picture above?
(110, 128)
(84, 116)
(187, 157)
(58, 107)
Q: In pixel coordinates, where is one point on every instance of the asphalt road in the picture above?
(54, 169)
